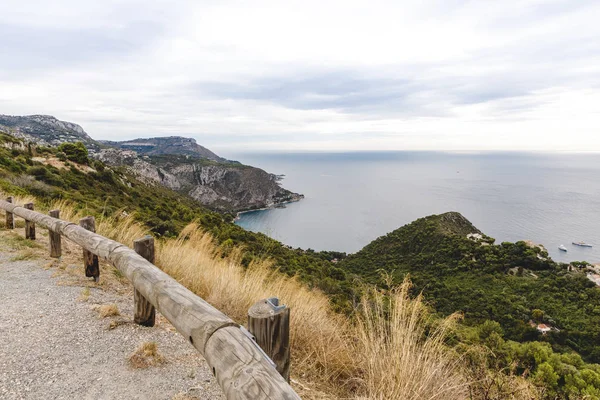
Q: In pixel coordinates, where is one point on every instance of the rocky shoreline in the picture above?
(295, 198)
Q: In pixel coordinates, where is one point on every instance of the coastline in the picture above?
(296, 198)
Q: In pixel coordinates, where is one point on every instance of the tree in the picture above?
(547, 377)
(75, 152)
(537, 315)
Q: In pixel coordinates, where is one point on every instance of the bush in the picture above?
(75, 152)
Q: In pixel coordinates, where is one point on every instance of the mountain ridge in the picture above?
(176, 162)
(45, 130)
(165, 145)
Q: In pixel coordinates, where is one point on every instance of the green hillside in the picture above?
(503, 283)
(501, 289)
(65, 173)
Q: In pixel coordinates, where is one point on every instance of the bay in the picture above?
(353, 198)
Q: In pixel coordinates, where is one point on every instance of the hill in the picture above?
(175, 162)
(45, 130)
(460, 269)
(165, 145)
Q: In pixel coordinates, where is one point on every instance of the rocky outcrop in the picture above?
(227, 186)
(45, 130)
(139, 167)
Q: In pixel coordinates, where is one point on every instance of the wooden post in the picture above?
(10, 219)
(90, 260)
(29, 225)
(144, 310)
(270, 324)
(55, 240)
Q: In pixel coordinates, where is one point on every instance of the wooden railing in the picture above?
(240, 366)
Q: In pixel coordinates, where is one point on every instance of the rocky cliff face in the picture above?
(45, 130)
(227, 186)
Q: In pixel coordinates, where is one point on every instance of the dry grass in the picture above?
(401, 359)
(18, 242)
(184, 396)
(145, 356)
(322, 354)
(27, 254)
(85, 295)
(108, 310)
(383, 354)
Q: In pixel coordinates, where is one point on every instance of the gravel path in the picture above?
(54, 345)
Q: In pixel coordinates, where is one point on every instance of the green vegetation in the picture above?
(163, 160)
(565, 376)
(503, 290)
(106, 191)
(75, 152)
(510, 283)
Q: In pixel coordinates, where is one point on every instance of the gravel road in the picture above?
(54, 345)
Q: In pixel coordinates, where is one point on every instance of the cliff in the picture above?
(174, 162)
(226, 186)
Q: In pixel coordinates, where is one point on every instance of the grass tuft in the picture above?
(26, 254)
(145, 356)
(85, 295)
(108, 310)
(400, 359)
(19, 242)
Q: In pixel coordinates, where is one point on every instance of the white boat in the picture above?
(562, 247)
(582, 244)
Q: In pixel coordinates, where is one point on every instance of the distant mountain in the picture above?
(182, 165)
(176, 162)
(165, 145)
(45, 130)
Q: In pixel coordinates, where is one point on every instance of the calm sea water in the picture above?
(354, 198)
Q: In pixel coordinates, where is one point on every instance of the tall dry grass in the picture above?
(403, 354)
(322, 353)
(386, 352)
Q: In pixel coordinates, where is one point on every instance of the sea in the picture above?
(353, 198)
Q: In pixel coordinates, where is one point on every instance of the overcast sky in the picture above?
(311, 75)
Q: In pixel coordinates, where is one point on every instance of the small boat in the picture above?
(582, 244)
(562, 248)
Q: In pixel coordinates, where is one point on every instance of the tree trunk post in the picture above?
(92, 267)
(55, 240)
(29, 225)
(269, 322)
(10, 219)
(144, 311)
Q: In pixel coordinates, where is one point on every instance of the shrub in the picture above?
(75, 152)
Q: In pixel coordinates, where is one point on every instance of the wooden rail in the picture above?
(239, 365)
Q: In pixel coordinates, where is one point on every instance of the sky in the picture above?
(322, 75)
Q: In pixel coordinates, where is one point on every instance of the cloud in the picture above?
(26, 51)
(428, 74)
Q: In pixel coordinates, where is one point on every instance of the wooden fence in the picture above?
(241, 367)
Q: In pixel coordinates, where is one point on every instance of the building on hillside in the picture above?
(594, 278)
(543, 328)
